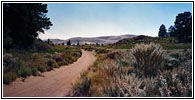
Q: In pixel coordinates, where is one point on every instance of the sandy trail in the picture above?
(56, 83)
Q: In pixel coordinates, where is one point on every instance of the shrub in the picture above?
(101, 50)
(76, 54)
(148, 58)
(58, 58)
(51, 64)
(171, 62)
(9, 77)
(34, 72)
(24, 72)
(40, 46)
(10, 63)
(82, 88)
(113, 55)
(41, 68)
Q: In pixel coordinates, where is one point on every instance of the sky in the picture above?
(105, 19)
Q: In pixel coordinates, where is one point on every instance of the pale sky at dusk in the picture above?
(104, 19)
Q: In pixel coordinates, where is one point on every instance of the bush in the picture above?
(58, 58)
(9, 77)
(148, 58)
(113, 55)
(40, 46)
(24, 72)
(82, 89)
(171, 62)
(76, 54)
(102, 51)
(41, 68)
(34, 72)
(51, 64)
(10, 63)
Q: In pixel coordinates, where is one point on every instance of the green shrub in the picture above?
(76, 54)
(58, 58)
(34, 71)
(51, 64)
(41, 69)
(101, 50)
(148, 58)
(9, 77)
(10, 63)
(24, 72)
(40, 46)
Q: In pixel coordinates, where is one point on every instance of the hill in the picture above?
(93, 40)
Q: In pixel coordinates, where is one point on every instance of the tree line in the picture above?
(182, 29)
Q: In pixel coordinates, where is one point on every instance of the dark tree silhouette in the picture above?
(48, 41)
(22, 22)
(97, 44)
(183, 25)
(171, 31)
(162, 31)
(68, 43)
(78, 43)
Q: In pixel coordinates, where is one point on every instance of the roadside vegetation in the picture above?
(166, 43)
(142, 66)
(33, 61)
(146, 70)
(24, 54)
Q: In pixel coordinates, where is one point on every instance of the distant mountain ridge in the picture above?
(93, 40)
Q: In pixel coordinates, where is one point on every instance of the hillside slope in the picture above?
(93, 40)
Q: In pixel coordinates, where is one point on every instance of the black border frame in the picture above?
(94, 97)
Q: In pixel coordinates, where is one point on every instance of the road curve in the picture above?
(56, 83)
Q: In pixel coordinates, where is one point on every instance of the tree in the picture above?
(68, 43)
(78, 43)
(183, 25)
(162, 31)
(171, 31)
(22, 22)
(48, 41)
(97, 44)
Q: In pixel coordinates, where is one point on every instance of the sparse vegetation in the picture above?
(40, 58)
(146, 70)
(167, 43)
(141, 66)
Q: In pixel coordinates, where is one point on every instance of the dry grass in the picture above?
(116, 74)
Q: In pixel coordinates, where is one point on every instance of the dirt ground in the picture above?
(56, 83)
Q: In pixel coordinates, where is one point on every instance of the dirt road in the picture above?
(56, 83)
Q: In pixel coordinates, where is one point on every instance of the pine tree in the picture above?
(78, 43)
(162, 31)
(183, 25)
(68, 43)
(22, 22)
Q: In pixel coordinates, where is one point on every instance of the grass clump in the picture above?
(149, 58)
(82, 88)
